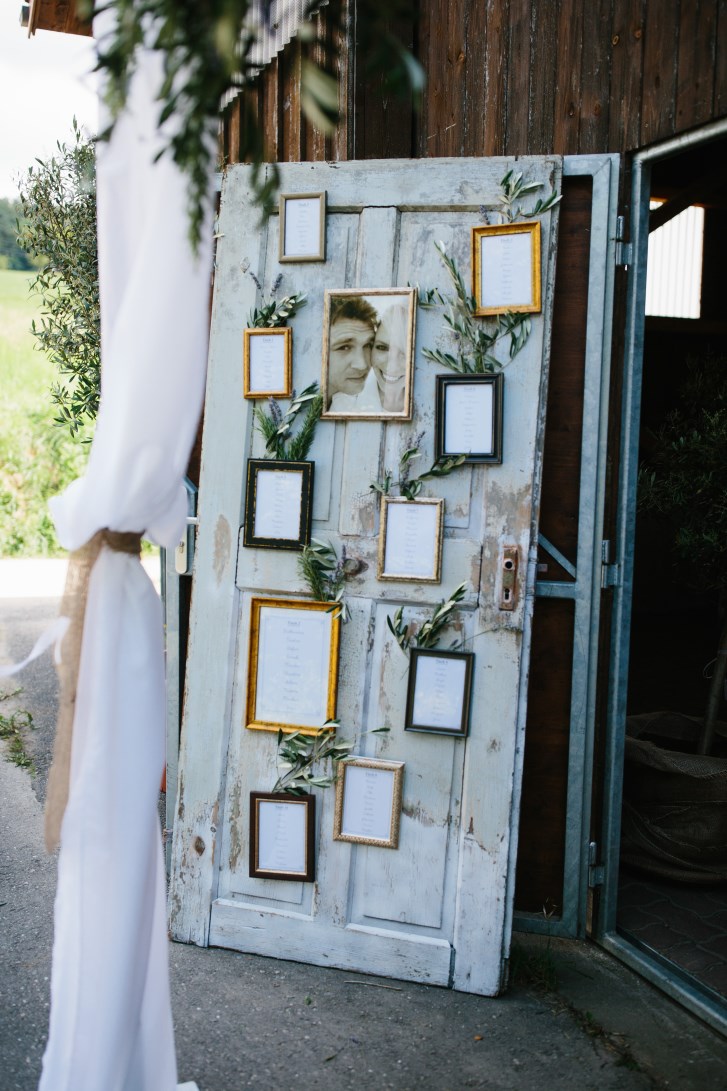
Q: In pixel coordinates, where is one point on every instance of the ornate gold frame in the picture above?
(395, 767)
(436, 576)
(256, 606)
(277, 331)
(531, 228)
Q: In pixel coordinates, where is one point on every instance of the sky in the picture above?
(44, 81)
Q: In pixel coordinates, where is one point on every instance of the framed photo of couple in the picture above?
(368, 353)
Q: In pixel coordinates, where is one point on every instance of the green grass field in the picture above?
(37, 459)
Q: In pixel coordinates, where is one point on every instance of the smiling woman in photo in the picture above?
(389, 357)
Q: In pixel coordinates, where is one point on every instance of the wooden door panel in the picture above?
(404, 911)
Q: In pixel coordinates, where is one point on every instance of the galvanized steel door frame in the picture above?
(605, 926)
(585, 590)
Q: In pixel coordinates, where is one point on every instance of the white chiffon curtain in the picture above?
(110, 1019)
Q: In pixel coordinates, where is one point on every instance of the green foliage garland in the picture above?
(206, 52)
(410, 487)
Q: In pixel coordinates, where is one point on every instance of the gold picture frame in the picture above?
(410, 539)
(268, 362)
(506, 268)
(368, 802)
(302, 227)
(292, 679)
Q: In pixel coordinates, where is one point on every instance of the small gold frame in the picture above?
(401, 559)
(291, 653)
(314, 241)
(258, 388)
(530, 301)
(357, 821)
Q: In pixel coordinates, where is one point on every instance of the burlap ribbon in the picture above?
(73, 606)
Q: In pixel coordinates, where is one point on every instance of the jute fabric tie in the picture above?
(73, 606)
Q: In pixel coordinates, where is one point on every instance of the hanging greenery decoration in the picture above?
(427, 634)
(298, 754)
(277, 426)
(476, 339)
(324, 573)
(207, 51)
(410, 487)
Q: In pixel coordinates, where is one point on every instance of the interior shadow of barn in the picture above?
(672, 901)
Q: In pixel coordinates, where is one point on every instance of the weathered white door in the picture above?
(438, 908)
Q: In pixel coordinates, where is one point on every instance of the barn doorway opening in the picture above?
(671, 894)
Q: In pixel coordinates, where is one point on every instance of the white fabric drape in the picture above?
(110, 1020)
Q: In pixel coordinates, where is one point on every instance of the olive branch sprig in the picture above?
(275, 313)
(476, 339)
(410, 487)
(428, 634)
(513, 188)
(475, 342)
(298, 754)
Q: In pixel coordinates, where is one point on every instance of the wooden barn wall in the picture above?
(514, 77)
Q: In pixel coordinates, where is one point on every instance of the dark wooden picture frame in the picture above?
(440, 691)
(271, 829)
(273, 485)
(469, 417)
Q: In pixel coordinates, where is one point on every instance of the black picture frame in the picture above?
(439, 692)
(278, 503)
(468, 417)
(282, 836)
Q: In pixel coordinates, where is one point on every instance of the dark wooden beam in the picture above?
(59, 15)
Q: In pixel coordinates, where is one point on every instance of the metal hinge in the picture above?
(624, 250)
(610, 570)
(595, 871)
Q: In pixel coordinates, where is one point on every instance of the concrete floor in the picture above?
(244, 1021)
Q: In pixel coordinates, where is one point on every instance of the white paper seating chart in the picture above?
(281, 838)
(265, 362)
(439, 685)
(367, 803)
(469, 418)
(277, 504)
(430, 901)
(293, 650)
(506, 259)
